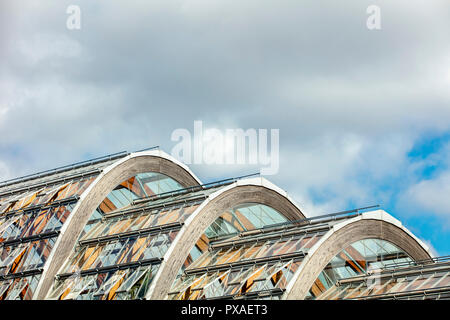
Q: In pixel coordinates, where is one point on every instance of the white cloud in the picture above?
(311, 209)
(4, 172)
(349, 103)
(338, 169)
(429, 196)
(432, 249)
(432, 196)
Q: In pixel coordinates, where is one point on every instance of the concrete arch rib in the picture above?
(125, 168)
(258, 190)
(374, 224)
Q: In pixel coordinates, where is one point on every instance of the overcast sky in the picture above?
(364, 115)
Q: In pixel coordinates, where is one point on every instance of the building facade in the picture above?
(143, 226)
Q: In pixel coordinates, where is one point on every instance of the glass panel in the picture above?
(359, 258)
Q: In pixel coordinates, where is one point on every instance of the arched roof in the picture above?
(330, 234)
(258, 190)
(106, 181)
(374, 224)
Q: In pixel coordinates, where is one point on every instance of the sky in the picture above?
(363, 115)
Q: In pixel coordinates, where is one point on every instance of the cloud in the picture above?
(350, 103)
(428, 194)
(4, 172)
(432, 249)
(431, 195)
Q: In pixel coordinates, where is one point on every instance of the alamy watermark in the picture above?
(73, 21)
(374, 19)
(229, 146)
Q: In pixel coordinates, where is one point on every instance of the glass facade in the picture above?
(142, 185)
(360, 258)
(409, 281)
(32, 211)
(251, 251)
(122, 245)
(29, 225)
(244, 217)
(225, 263)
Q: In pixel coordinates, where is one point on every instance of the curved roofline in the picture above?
(90, 199)
(327, 248)
(152, 153)
(241, 191)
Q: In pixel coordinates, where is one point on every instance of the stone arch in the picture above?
(123, 169)
(256, 190)
(375, 224)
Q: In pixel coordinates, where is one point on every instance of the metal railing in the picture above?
(72, 166)
(111, 268)
(32, 238)
(42, 206)
(175, 226)
(295, 256)
(61, 169)
(325, 217)
(172, 204)
(200, 187)
(317, 220)
(417, 263)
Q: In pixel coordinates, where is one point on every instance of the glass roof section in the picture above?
(124, 242)
(410, 280)
(360, 258)
(33, 209)
(136, 236)
(250, 252)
